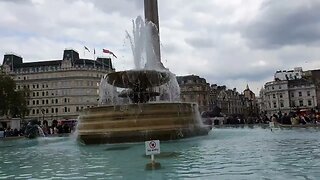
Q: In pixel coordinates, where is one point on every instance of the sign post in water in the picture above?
(152, 148)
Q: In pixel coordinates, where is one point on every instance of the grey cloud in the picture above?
(200, 42)
(16, 1)
(286, 22)
(129, 8)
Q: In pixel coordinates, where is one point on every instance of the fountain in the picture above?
(33, 130)
(149, 107)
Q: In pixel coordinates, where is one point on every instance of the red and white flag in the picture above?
(109, 52)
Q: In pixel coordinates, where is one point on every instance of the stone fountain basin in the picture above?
(139, 122)
(138, 78)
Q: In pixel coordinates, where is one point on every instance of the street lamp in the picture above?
(278, 97)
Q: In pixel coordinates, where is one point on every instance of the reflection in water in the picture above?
(230, 153)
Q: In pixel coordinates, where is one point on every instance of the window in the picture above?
(300, 93)
(37, 101)
(33, 111)
(281, 104)
(280, 95)
(293, 104)
(52, 110)
(37, 93)
(56, 101)
(308, 93)
(300, 102)
(309, 103)
(280, 87)
(65, 109)
(56, 110)
(33, 102)
(42, 93)
(274, 105)
(292, 94)
(37, 111)
(274, 96)
(43, 101)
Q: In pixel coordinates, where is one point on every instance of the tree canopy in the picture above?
(13, 103)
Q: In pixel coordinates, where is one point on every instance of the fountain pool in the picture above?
(226, 153)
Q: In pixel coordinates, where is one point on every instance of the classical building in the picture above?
(314, 77)
(296, 73)
(250, 102)
(230, 101)
(194, 89)
(286, 95)
(58, 88)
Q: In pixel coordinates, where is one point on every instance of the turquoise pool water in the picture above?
(226, 153)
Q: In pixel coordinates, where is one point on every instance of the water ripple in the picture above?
(232, 153)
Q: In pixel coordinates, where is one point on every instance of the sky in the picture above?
(232, 43)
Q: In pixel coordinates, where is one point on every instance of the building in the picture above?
(314, 77)
(194, 89)
(296, 73)
(289, 95)
(58, 88)
(228, 100)
(250, 102)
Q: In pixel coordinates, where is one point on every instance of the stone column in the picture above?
(151, 11)
(151, 14)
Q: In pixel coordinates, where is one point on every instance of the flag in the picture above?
(86, 48)
(109, 52)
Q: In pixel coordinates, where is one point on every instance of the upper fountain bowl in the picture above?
(141, 79)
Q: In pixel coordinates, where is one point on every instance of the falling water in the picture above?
(107, 93)
(142, 46)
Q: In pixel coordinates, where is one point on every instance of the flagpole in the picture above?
(94, 57)
(84, 56)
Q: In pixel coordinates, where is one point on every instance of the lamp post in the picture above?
(279, 107)
(42, 112)
(313, 101)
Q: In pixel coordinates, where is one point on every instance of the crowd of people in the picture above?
(56, 127)
(295, 118)
(9, 132)
(292, 118)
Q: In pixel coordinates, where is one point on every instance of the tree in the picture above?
(13, 102)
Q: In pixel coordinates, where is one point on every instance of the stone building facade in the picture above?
(288, 95)
(314, 77)
(229, 100)
(250, 103)
(59, 89)
(194, 89)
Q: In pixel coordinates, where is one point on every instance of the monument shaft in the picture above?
(151, 15)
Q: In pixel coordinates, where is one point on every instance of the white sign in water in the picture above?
(152, 147)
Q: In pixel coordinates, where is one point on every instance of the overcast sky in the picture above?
(231, 43)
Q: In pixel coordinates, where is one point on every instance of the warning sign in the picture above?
(152, 147)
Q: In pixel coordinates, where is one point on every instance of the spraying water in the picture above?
(142, 39)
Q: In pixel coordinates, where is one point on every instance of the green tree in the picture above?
(13, 102)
